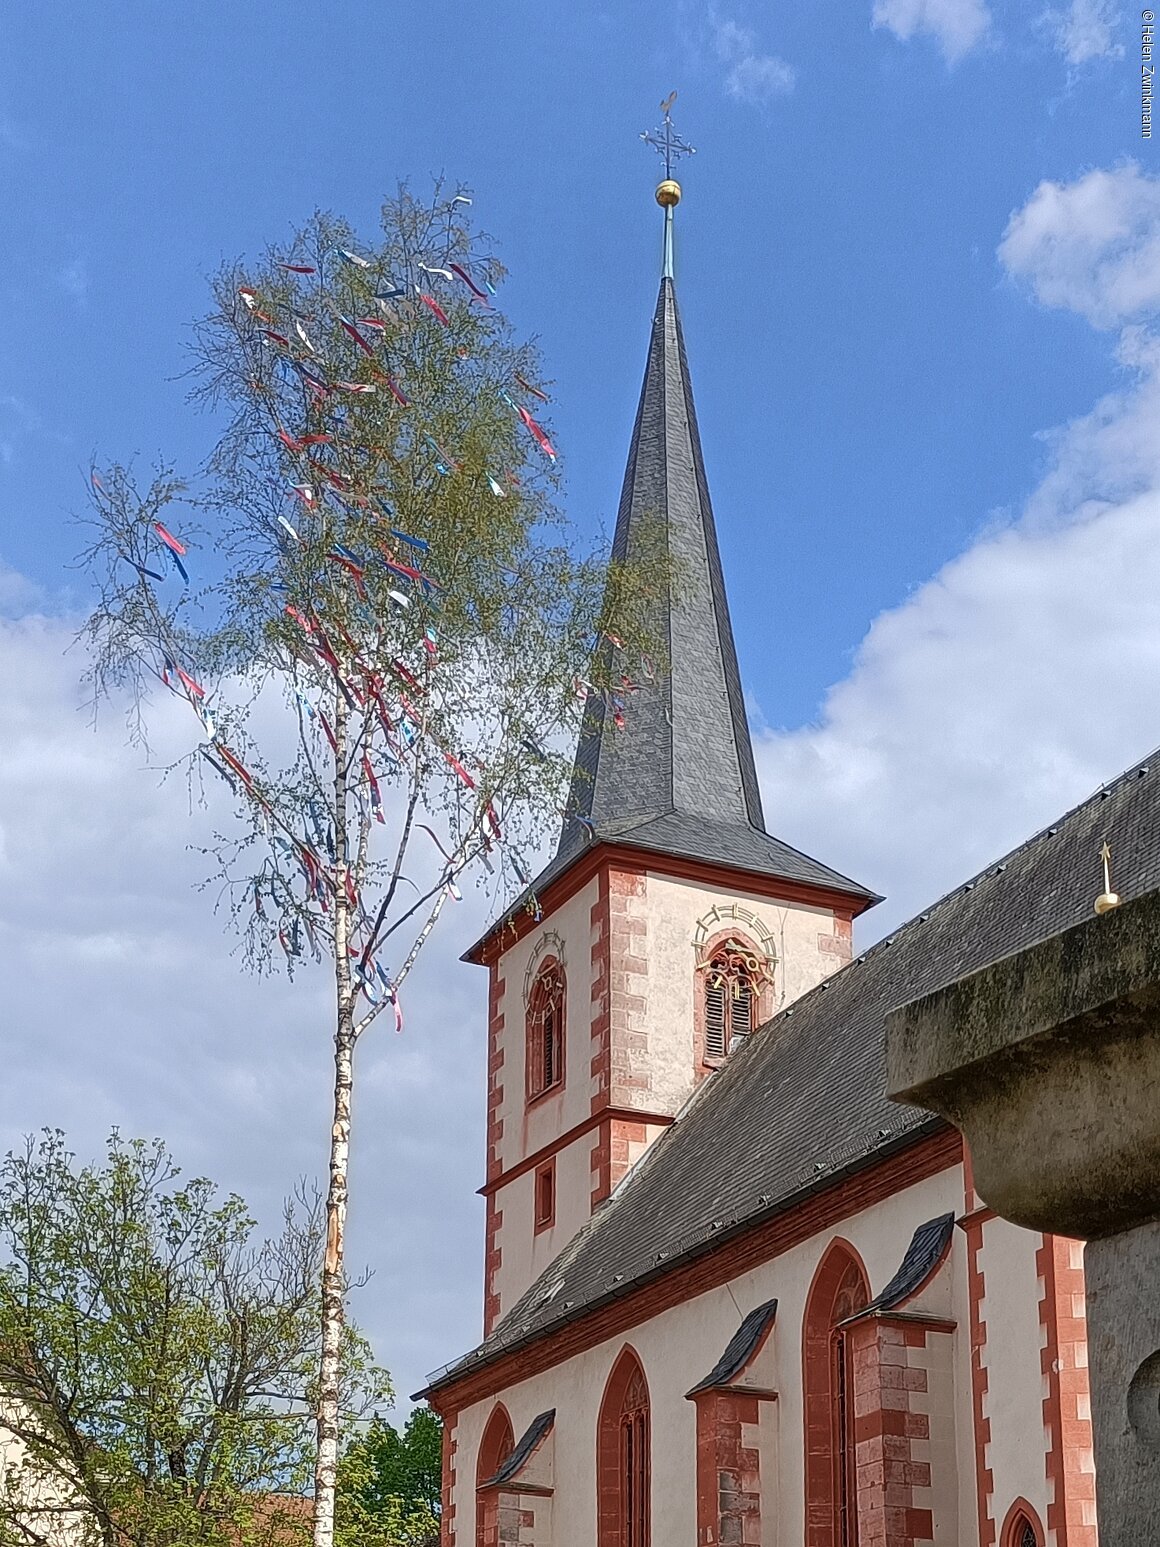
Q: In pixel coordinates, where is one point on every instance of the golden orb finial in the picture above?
(668, 193)
(1107, 900)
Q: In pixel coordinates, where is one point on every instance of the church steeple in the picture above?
(679, 776)
(669, 924)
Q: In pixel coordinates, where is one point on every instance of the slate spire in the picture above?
(679, 777)
(685, 745)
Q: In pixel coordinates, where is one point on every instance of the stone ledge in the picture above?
(1049, 1062)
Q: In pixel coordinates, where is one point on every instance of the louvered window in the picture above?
(545, 1038)
(730, 990)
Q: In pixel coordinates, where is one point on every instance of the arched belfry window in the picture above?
(545, 1029)
(623, 1458)
(732, 976)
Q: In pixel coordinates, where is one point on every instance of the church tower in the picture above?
(671, 921)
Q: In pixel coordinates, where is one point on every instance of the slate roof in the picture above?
(802, 1102)
(531, 1437)
(740, 1348)
(922, 1256)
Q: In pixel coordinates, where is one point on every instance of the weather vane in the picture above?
(666, 140)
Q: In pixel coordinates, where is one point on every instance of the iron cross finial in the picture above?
(666, 140)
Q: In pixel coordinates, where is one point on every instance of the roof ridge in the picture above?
(993, 868)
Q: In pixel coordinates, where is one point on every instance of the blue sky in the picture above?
(869, 383)
(919, 270)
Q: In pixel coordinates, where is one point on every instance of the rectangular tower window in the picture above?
(546, 1194)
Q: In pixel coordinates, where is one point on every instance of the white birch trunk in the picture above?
(333, 1303)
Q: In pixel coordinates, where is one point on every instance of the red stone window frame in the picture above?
(624, 1457)
(495, 1447)
(839, 1289)
(544, 1196)
(545, 1044)
(1022, 1527)
(723, 961)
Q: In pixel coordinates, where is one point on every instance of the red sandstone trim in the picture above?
(972, 1224)
(841, 942)
(748, 1249)
(629, 1071)
(1013, 1521)
(840, 1285)
(885, 1373)
(600, 1066)
(728, 1470)
(544, 1219)
(493, 1251)
(492, 1261)
(1063, 1359)
(763, 1010)
(610, 1501)
(506, 932)
(494, 1448)
(532, 1055)
(447, 1513)
(577, 1131)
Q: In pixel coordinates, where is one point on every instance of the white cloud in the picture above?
(1024, 673)
(18, 594)
(121, 1001)
(1086, 30)
(957, 26)
(750, 75)
(1092, 246)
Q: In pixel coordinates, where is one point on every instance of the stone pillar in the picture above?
(1123, 1328)
(1049, 1063)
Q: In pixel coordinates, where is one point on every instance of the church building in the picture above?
(733, 1295)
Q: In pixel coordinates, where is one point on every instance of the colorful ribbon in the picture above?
(432, 305)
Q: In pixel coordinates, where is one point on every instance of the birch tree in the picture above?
(383, 626)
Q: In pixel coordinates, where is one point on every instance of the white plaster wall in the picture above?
(941, 1451)
(679, 1346)
(1015, 1382)
(672, 909)
(769, 1448)
(524, 1254)
(525, 1129)
(38, 1489)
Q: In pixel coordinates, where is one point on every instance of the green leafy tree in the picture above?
(390, 628)
(390, 1484)
(157, 1360)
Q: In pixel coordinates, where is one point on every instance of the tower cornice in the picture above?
(632, 859)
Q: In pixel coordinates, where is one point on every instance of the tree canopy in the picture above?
(390, 1483)
(157, 1357)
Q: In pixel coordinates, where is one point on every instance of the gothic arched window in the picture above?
(1021, 1528)
(839, 1289)
(732, 981)
(495, 1447)
(545, 1029)
(623, 1458)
